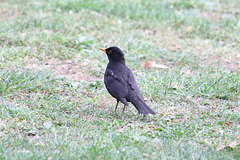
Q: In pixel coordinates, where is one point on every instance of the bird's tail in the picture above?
(141, 106)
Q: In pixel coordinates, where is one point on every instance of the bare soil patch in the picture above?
(67, 69)
(225, 55)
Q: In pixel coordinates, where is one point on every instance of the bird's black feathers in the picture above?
(120, 82)
(115, 55)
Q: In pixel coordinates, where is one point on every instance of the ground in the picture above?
(53, 101)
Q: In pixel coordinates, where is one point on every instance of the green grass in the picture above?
(53, 101)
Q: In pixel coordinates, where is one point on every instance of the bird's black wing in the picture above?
(116, 86)
(133, 84)
(135, 96)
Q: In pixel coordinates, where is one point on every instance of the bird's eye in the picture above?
(109, 52)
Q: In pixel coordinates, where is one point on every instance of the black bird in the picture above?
(120, 83)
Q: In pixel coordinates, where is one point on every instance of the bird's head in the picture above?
(114, 54)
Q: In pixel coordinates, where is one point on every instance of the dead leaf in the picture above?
(160, 66)
(186, 71)
(176, 85)
(233, 144)
(220, 147)
(41, 144)
(145, 155)
(146, 99)
(189, 29)
(153, 64)
(120, 130)
(151, 126)
(227, 123)
(149, 31)
(146, 64)
(49, 158)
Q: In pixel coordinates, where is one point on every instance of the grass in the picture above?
(53, 101)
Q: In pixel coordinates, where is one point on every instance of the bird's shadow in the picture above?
(127, 115)
(131, 116)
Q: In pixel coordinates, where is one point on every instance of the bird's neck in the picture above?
(122, 60)
(116, 62)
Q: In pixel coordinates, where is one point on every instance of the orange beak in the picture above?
(104, 50)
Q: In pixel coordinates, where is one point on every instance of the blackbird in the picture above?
(120, 83)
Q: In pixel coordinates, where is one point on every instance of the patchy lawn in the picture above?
(53, 101)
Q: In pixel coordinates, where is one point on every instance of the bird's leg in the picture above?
(116, 106)
(124, 108)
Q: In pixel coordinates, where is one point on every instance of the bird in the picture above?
(120, 82)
